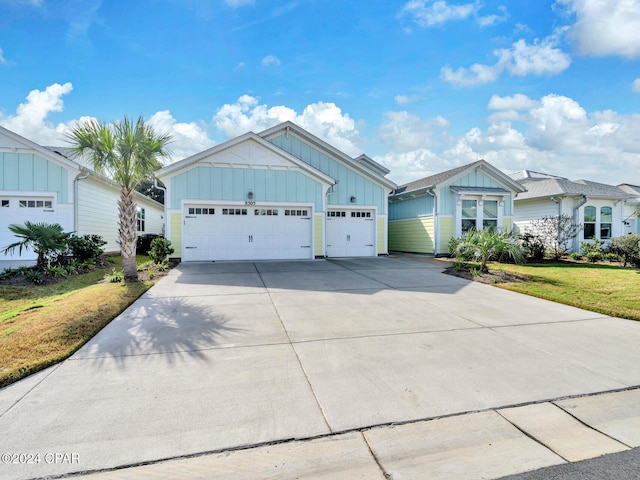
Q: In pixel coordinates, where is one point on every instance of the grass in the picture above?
(606, 289)
(42, 325)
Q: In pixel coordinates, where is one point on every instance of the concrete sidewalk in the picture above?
(219, 357)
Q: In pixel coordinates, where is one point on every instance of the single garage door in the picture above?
(213, 232)
(18, 210)
(350, 233)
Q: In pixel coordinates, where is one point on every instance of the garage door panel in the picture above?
(14, 210)
(254, 233)
(350, 233)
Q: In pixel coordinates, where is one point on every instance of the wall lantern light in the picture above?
(353, 199)
(249, 195)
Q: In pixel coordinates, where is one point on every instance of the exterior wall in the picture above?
(411, 207)
(318, 231)
(447, 232)
(233, 184)
(412, 235)
(527, 210)
(382, 235)
(617, 226)
(98, 212)
(26, 172)
(507, 224)
(448, 199)
(174, 230)
(350, 183)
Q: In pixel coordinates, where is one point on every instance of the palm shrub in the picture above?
(485, 245)
(47, 240)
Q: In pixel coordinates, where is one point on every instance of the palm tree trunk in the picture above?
(127, 234)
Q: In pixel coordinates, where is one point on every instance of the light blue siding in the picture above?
(411, 208)
(350, 183)
(474, 179)
(233, 184)
(28, 172)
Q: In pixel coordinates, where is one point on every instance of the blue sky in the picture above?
(421, 85)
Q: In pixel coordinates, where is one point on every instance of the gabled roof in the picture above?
(557, 187)
(176, 167)
(363, 164)
(46, 153)
(523, 174)
(632, 189)
(437, 180)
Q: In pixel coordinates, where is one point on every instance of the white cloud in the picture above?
(271, 61)
(438, 12)
(488, 20)
(635, 86)
(187, 138)
(2, 59)
(405, 99)
(325, 120)
(30, 118)
(238, 3)
(555, 135)
(606, 27)
(521, 59)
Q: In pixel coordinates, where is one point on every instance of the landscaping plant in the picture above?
(556, 233)
(47, 240)
(627, 248)
(485, 245)
(160, 249)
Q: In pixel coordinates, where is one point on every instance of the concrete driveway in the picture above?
(219, 356)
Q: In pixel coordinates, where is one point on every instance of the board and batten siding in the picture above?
(350, 183)
(412, 235)
(448, 199)
(411, 207)
(98, 212)
(28, 172)
(233, 184)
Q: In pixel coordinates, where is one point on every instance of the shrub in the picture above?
(556, 233)
(593, 256)
(143, 244)
(55, 271)
(627, 248)
(34, 276)
(485, 245)
(575, 256)
(86, 247)
(160, 249)
(116, 276)
(533, 246)
(47, 240)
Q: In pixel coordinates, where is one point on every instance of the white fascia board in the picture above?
(492, 171)
(334, 152)
(44, 152)
(177, 167)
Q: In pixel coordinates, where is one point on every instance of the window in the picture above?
(589, 223)
(606, 214)
(336, 214)
(266, 211)
(361, 214)
(201, 211)
(140, 219)
(234, 211)
(31, 203)
(5, 203)
(469, 215)
(296, 213)
(490, 215)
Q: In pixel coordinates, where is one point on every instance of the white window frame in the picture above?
(480, 199)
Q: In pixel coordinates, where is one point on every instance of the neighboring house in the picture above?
(41, 185)
(631, 222)
(424, 215)
(602, 210)
(280, 194)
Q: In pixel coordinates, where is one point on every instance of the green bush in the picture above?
(575, 256)
(86, 247)
(485, 245)
(593, 256)
(35, 277)
(533, 246)
(627, 248)
(160, 249)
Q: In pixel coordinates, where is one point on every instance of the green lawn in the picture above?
(607, 289)
(42, 325)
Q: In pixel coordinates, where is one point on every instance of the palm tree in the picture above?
(485, 245)
(128, 152)
(45, 239)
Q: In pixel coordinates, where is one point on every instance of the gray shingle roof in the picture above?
(549, 187)
(433, 179)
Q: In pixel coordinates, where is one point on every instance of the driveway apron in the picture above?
(226, 355)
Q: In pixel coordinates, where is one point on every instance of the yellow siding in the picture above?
(447, 231)
(176, 233)
(412, 235)
(506, 224)
(382, 234)
(317, 240)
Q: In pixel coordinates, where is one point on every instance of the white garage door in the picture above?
(351, 233)
(18, 210)
(215, 232)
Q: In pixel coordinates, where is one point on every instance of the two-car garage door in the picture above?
(220, 232)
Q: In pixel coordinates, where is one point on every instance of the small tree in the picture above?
(556, 232)
(485, 245)
(47, 240)
(627, 247)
